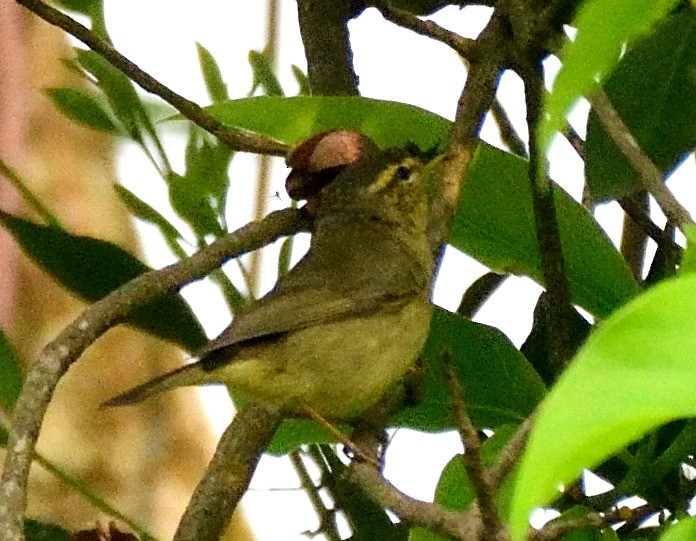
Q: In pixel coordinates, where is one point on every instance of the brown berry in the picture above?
(316, 161)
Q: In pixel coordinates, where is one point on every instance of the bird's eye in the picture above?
(402, 173)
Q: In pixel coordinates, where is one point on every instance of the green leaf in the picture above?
(295, 432)
(603, 26)
(11, 377)
(684, 530)
(141, 210)
(302, 81)
(263, 75)
(118, 90)
(293, 119)
(44, 531)
(217, 89)
(368, 520)
(688, 260)
(93, 268)
(199, 196)
(653, 91)
(499, 384)
(82, 108)
(610, 395)
(81, 6)
(537, 348)
(494, 223)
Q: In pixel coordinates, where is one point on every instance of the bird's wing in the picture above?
(287, 311)
(335, 280)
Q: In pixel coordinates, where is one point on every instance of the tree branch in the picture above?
(508, 457)
(547, 231)
(233, 138)
(228, 475)
(473, 462)
(649, 174)
(459, 525)
(57, 356)
(507, 131)
(324, 29)
(636, 213)
(475, 100)
(465, 47)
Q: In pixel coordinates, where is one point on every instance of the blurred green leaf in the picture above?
(11, 377)
(81, 108)
(81, 6)
(295, 432)
(302, 81)
(688, 260)
(499, 384)
(643, 357)
(141, 210)
(494, 223)
(217, 89)
(93, 268)
(35, 530)
(119, 91)
(263, 75)
(199, 196)
(653, 90)
(684, 530)
(603, 27)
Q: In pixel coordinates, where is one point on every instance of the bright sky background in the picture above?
(393, 64)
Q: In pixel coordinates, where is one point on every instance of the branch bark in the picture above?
(228, 475)
(324, 29)
(650, 175)
(67, 347)
(233, 138)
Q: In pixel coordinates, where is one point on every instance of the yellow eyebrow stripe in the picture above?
(386, 176)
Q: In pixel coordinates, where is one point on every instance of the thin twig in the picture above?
(467, 48)
(473, 461)
(57, 356)
(577, 142)
(634, 239)
(650, 176)
(354, 448)
(233, 138)
(474, 101)
(327, 517)
(556, 529)
(507, 131)
(510, 455)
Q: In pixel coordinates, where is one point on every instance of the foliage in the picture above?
(622, 408)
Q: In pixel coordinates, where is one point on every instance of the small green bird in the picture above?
(347, 323)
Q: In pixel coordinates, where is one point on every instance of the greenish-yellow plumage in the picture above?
(349, 320)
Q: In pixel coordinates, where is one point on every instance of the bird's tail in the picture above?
(191, 374)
